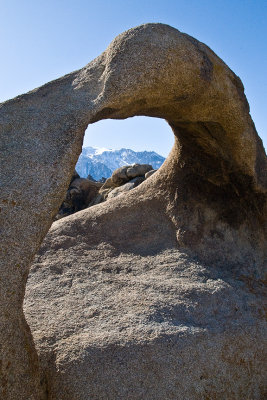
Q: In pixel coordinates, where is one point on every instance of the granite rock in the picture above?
(107, 185)
(120, 190)
(138, 170)
(149, 173)
(119, 176)
(154, 294)
(81, 193)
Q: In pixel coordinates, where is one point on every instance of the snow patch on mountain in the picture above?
(101, 162)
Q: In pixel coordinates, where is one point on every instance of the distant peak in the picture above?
(100, 150)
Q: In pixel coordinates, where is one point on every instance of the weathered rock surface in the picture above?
(124, 174)
(134, 318)
(122, 181)
(107, 185)
(120, 190)
(149, 173)
(81, 193)
(119, 176)
(154, 294)
(138, 170)
(117, 191)
(137, 181)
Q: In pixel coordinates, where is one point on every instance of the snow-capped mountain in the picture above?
(100, 162)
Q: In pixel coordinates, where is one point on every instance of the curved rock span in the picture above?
(154, 294)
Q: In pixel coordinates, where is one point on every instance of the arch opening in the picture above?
(141, 143)
(113, 143)
(138, 133)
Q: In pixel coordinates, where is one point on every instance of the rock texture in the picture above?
(138, 170)
(125, 188)
(81, 194)
(154, 294)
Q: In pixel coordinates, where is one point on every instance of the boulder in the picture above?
(96, 200)
(157, 294)
(120, 190)
(104, 193)
(137, 181)
(119, 176)
(81, 193)
(106, 188)
(138, 170)
(117, 191)
(107, 185)
(149, 173)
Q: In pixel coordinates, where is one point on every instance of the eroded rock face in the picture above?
(81, 194)
(154, 294)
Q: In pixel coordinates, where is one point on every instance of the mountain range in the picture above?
(101, 162)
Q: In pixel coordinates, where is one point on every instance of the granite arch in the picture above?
(210, 193)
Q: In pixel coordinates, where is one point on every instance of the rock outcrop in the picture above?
(127, 172)
(125, 187)
(154, 294)
(81, 193)
(86, 192)
(124, 179)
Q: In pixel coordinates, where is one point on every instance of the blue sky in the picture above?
(43, 40)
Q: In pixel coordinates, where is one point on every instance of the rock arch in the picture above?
(210, 195)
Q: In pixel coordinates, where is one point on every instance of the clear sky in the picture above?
(43, 40)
